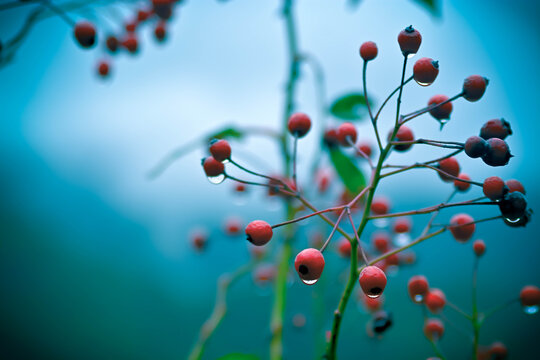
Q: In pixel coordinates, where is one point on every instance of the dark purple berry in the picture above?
(496, 128)
(476, 147)
(498, 153)
(513, 206)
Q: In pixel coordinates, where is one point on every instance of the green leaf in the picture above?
(227, 133)
(351, 107)
(352, 177)
(238, 356)
(430, 5)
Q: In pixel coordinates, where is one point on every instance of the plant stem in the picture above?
(474, 320)
(364, 80)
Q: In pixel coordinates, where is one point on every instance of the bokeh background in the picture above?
(95, 260)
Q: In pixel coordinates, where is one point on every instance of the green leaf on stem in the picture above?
(238, 356)
(351, 176)
(227, 133)
(430, 5)
(351, 107)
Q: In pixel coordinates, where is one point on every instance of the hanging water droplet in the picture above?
(402, 240)
(373, 296)
(418, 298)
(513, 221)
(530, 309)
(380, 223)
(216, 179)
(410, 55)
(309, 282)
(421, 83)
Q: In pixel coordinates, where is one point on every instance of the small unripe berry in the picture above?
(346, 134)
(381, 241)
(515, 185)
(344, 248)
(199, 240)
(443, 111)
(496, 128)
(112, 44)
(299, 124)
(435, 300)
(392, 260)
(498, 351)
(425, 71)
(498, 152)
(462, 185)
(479, 247)
(85, 34)
(220, 149)
(403, 134)
(365, 148)
(212, 167)
(368, 50)
(474, 87)
(476, 147)
(450, 166)
(143, 15)
(160, 32)
(462, 227)
(259, 232)
(409, 41)
(418, 288)
(309, 265)
(131, 26)
(494, 188)
(433, 329)
(402, 225)
(530, 296)
(264, 273)
(233, 226)
(131, 44)
(513, 206)
(380, 206)
(103, 69)
(372, 281)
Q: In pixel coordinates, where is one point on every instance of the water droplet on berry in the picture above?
(418, 298)
(216, 179)
(402, 239)
(374, 296)
(513, 221)
(309, 282)
(225, 161)
(380, 223)
(530, 309)
(410, 55)
(422, 84)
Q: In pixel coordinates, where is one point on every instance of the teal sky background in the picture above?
(95, 259)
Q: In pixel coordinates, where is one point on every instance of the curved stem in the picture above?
(364, 70)
(475, 320)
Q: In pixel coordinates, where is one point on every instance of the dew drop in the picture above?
(512, 221)
(216, 179)
(418, 298)
(530, 309)
(373, 296)
(226, 161)
(422, 84)
(309, 282)
(410, 55)
(380, 223)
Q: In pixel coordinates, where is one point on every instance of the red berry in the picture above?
(199, 240)
(368, 50)
(240, 188)
(435, 300)
(259, 232)
(450, 166)
(530, 296)
(513, 207)
(496, 128)
(402, 225)
(85, 34)
(494, 188)
(299, 124)
(425, 71)
(160, 32)
(323, 179)
(365, 148)
(443, 111)
(142, 15)
(346, 134)
(392, 260)
(498, 351)
(498, 152)
(381, 241)
(233, 226)
(476, 147)
(309, 265)
(344, 248)
(462, 185)
(220, 149)
(103, 69)
(380, 206)
(403, 134)
(372, 281)
(212, 167)
(112, 44)
(479, 247)
(409, 41)
(418, 288)
(433, 329)
(131, 44)
(372, 304)
(131, 26)
(514, 185)
(331, 138)
(474, 87)
(462, 227)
